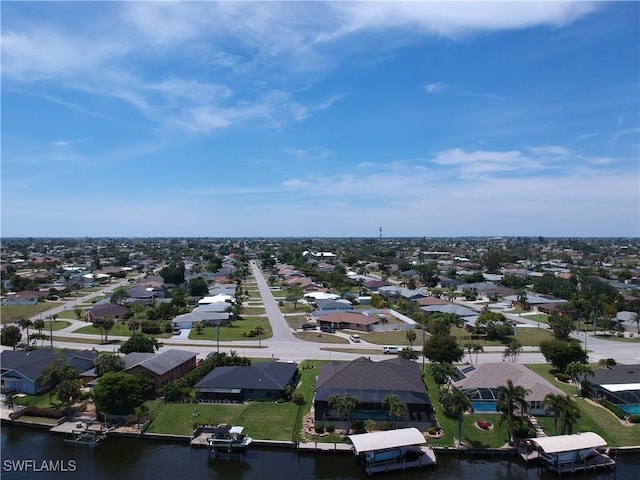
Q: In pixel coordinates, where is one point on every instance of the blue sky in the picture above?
(320, 119)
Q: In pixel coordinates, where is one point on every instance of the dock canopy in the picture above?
(567, 443)
(403, 437)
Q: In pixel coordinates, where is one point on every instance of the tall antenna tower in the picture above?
(380, 228)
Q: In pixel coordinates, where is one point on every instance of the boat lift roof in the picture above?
(403, 437)
(567, 443)
(236, 429)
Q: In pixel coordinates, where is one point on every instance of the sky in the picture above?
(313, 119)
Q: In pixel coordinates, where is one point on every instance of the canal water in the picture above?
(33, 454)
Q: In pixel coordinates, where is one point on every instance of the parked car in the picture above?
(354, 338)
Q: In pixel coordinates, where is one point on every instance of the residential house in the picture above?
(163, 366)
(481, 383)
(619, 384)
(107, 309)
(370, 383)
(351, 320)
(237, 384)
(20, 369)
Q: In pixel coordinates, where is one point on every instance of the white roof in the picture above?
(366, 442)
(322, 295)
(236, 429)
(621, 387)
(567, 443)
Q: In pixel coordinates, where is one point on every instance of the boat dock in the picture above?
(83, 433)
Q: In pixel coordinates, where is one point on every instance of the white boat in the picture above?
(229, 439)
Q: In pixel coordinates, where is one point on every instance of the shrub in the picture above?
(613, 408)
(329, 428)
(432, 431)
(297, 397)
(385, 425)
(43, 412)
(319, 427)
(562, 377)
(633, 419)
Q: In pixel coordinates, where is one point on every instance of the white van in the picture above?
(390, 349)
(355, 338)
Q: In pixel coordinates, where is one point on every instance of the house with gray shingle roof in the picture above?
(20, 369)
(371, 382)
(163, 366)
(237, 384)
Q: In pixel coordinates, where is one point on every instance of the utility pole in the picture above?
(380, 228)
(51, 332)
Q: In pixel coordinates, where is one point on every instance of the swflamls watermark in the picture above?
(30, 465)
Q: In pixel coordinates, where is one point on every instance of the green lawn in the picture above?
(526, 336)
(118, 330)
(11, 314)
(237, 331)
(471, 435)
(57, 325)
(252, 311)
(320, 337)
(262, 420)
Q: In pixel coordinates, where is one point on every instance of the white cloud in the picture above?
(437, 87)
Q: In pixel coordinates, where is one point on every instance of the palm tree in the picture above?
(477, 348)
(556, 403)
(24, 324)
(511, 398)
(108, 363)
(38, 324)
(455, 403)
(397, 408)
(578, 373)
(469, 347)
(343, 405)
(411, 336)
(55, 374)
(565, 412)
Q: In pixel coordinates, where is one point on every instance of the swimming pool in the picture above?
(631, 409)
(484, 407)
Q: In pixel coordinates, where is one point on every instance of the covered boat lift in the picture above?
(392, 450)
(569, 453)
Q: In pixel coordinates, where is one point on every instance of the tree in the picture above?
(442, 348)
(108, 363)
(140, 343)
(411, 336)
(523, 299)
(477, 348)
(68, 391)
(56, 373)
(10, 336)
(119, 295)
(117, 393)
(24, 324)
(578, 373)
(454, 404)
(397, 408)
(344, 406)
(38, 324)
(561, 325)
(493, 324)
(560, 354)
(441, 372)
(104, 324)
(294, 295)
(198, 287)
(511, 398)
(565, 412)
(513, 351)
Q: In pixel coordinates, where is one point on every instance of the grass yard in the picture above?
(282, 423)
(11, 314)
(239, 330)
(320, 337)
(526, 336)
(593, 417)
(288, 308)
(40, 401)
(253, 311)
(471, 435)
(118, 330)
(394, 337)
